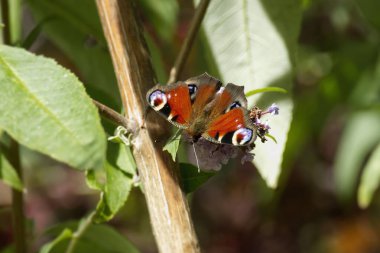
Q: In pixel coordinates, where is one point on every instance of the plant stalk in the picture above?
(82, 228)
(168, 210)
(189, 41)
(111, 114)
(18, 215)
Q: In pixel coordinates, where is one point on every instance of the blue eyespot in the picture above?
(157, 100)
(242, 136)
(234, 105)
(192, 91)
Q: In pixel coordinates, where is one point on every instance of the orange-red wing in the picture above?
(204, 95)
(225, 128)
(207, 86)
(180, 105)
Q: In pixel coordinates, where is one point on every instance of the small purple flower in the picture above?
(266, 125)
(274, 109)
(257, 121)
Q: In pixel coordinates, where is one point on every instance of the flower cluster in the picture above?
(262, 128)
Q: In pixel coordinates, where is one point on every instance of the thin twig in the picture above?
(111, 115)
(187, 45)
(17, 202)
(83, 226)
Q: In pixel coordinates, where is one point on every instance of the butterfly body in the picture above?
(205, 108)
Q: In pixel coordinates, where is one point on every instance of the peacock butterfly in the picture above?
(204, 108)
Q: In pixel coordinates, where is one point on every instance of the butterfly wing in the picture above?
(205, 108)
(173, 102)
(182, 102)
(229, 118)
(227, 98)
(205, 88)
(233, 127)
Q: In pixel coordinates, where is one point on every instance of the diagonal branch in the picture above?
(111, 115)
(189, 40)
(168, 209)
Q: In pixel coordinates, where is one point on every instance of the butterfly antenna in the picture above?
(196, 158)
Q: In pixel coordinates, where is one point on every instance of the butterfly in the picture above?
(203, 107)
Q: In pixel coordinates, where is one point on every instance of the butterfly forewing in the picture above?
(207, 87)
(173, 102)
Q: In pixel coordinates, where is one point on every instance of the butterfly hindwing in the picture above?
(227, 98)
(232, 127)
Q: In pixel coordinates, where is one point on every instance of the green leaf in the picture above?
(191, 178)
(9, 175)
(95, 179)
(125, 160)
(65, 234)
(271, 137)
(360, 136)
(173, 143)
(258, 52)
(79, 35)
(115, 194)
(120, 169)
(267, 89)
(45, 108)
(370, 179)
(98, 238)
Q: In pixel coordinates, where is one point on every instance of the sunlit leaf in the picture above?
(192, 178)
(9, 175)
(360, 136)
(258, 52)
(45, 108)
(65, 234)
(173, 143)
(267, 89)
(370, 180)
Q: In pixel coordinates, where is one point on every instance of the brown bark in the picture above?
(168, 209)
